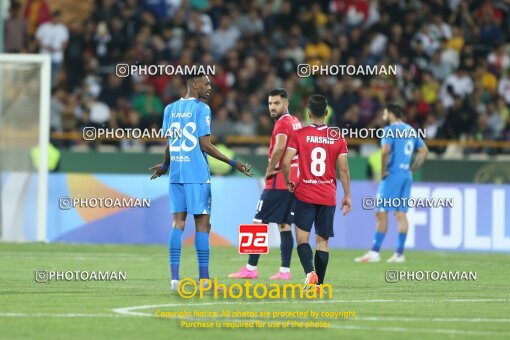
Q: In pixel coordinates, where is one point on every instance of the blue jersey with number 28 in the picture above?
(185, 121)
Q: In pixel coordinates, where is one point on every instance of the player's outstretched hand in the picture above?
(346, 205)
(158, 171)
(244, 168)
(270, 174)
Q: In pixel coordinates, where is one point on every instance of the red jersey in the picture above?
(317, 164)
(285, 125)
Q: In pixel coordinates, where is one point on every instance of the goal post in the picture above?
(25, 90)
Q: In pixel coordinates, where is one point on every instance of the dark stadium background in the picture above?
(257, 45)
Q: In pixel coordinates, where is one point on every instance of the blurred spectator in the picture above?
(15, 31)
(482, 130)
(317, 52)
(368, 106)
(295, 51)
(499, 60)
(200, 23)
(459, 84)
(438, 67)
(264, 126)
(221, 124)
(494, 120)
(149, 105)
(460, 119)
(249, 24)
(503, 110)
(99, 113)
(52, 38)
(246, 125)
(487, 79)
(504, 87)
(451, 58)
(57, 106)
(429, 88)
(431, 127)
(36, 12)
(112, 92)
(74, 55)
(224, 38)
(102, 41)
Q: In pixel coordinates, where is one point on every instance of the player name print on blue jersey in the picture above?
(189, 119)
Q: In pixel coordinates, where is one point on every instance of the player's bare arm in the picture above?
(345, 179)
(161, 169)
(386, 148)
(286, 168)
(421, 154)
(207, 147)
(278, 150)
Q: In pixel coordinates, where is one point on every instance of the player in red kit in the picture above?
(276, 202)
(315, 191)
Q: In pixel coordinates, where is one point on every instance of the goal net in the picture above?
(24, 134)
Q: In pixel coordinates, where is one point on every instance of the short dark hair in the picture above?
(396, 110)
(280, 91)
(317, 105)
(192, 76)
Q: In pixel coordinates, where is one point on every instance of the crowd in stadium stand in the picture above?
(452, 56)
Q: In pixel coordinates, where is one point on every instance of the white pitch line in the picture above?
(91, 258)
(131, 310)
(418, 330)
(65, 315)
(335, 326)
(477, 300)
(139, 314)
(376, 328)
(407, 319)
(67, 255)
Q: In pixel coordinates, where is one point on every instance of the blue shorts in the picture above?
(275, 206)
(395, 189)
(322, 216)
(193, 198)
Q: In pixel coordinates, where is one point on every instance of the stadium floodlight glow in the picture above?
(25, 89)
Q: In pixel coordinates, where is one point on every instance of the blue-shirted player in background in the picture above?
(397, 151)
(187, 123)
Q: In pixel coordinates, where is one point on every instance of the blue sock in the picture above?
(378, 240)
(401, 242)
(174, 251)
(202, 247)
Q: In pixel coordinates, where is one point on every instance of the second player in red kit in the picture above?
(315, 191)
(284, 126)
(318, 156)
(276, 203)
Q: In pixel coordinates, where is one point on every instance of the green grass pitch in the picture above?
(114, 309)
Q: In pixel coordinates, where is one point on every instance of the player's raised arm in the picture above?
(278, 150)
(287, 159)
(207, 147)
(345, 179)
(421, 154)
